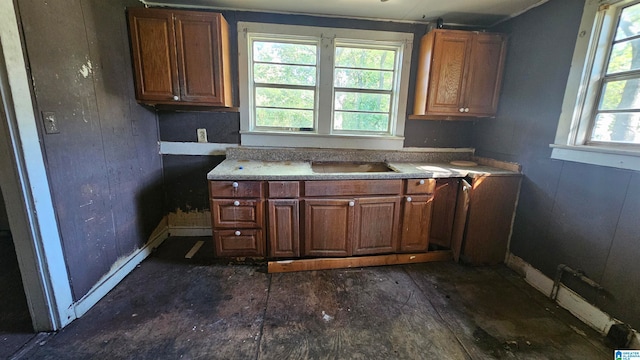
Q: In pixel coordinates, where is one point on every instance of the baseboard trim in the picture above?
(568, 299)
(119, 270)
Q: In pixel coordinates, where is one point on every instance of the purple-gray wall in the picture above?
(581, 215)
(103, 166)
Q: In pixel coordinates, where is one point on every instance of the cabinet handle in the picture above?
(352, 203)
(175, 97)
(237, 232)
(461, 110)
(421, 182)
(235, 185)
(408, 198)
(466, 109)
(236, 203)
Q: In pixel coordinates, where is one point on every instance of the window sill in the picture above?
(617, 158)
(322, 141)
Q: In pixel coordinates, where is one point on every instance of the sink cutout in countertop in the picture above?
(349, 167)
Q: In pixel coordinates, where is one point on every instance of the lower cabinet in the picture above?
(329, 227)
(340, 218)
(416, 223)
(377, 220)
(284, 227)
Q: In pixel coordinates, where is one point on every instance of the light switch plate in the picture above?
(50, 122)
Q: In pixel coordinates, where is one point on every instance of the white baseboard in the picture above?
(568, 299)
(121, 268)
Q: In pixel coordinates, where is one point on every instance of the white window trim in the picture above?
(596, 30)
(325, 138)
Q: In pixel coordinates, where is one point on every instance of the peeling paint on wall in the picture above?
(86, 69)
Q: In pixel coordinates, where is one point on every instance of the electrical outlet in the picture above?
(202, 135)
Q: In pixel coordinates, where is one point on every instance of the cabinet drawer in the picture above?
(241, 213)
(240, 242)
(421, 186)
(352, 187)
(284, 189)
(235, 189)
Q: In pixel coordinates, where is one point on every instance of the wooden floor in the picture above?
(177, 308)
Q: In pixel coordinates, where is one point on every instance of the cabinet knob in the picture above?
(466, 109)
(235, 185)
(236, 203)
(352, 203)
(461, 110)
(175, 97)
(421, 182)
(237, 232)
(408, 198)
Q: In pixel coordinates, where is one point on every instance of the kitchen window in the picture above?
(600, 121)
(306, 86)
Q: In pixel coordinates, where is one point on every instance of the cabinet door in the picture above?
(485, 74)
(329, 227)
(154, 54)
(444, 207)
(460, 219)
(376, 225)
(284, 233)
(447, 78)
(491, 207)
(416, 223)
(200, 61)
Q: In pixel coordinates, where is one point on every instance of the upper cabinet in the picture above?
(180, 57)
(459, 74)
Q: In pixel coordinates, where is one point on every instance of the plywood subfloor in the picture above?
(172, 307)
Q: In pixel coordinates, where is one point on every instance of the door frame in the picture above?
(26, 190)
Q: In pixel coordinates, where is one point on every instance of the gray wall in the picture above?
(581, 215)
(104, 168)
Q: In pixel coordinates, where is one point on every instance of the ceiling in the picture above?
(459, 12)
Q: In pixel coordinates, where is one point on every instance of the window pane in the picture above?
(284, 74)
(365, 58)
(621, 128)
(277, 52)
(629, 24)
(622, 58)
(357, 121)
(619, 95)
(285, 98)
(284, 118)
(364, 79)
(362, 101)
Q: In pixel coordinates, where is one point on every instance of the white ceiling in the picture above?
(462, 12)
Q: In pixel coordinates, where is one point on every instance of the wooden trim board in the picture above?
(358, 261)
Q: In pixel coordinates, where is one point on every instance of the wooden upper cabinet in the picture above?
(154, 54)
(459, 74)
(180, 57)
